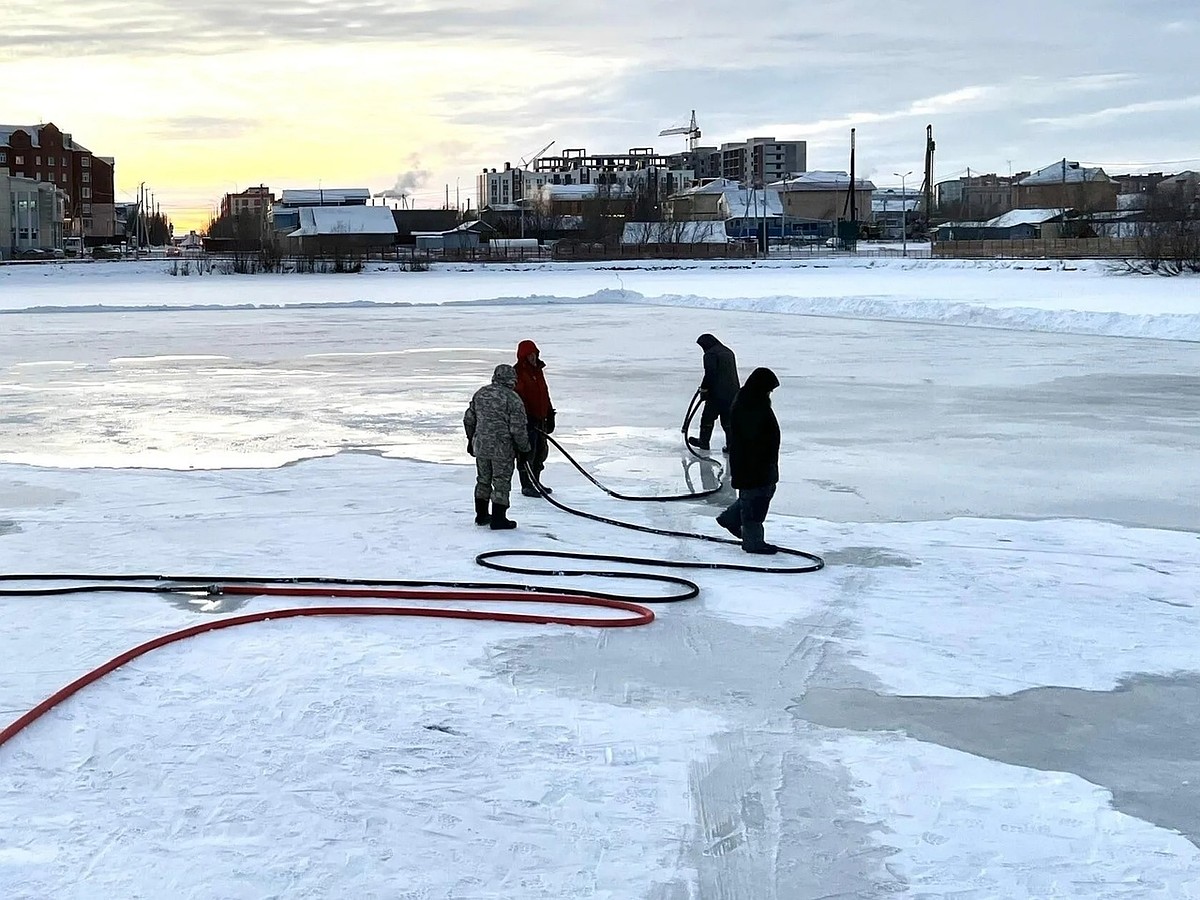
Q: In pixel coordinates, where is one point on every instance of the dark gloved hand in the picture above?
(703, 393)
(550, 423)
(470, 449)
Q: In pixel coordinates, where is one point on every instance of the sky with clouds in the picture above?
(201, 98)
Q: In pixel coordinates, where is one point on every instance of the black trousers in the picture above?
(708, 417)
(539, 449)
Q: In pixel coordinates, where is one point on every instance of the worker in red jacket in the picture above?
(531, 387)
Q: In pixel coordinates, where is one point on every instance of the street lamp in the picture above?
(903, 210)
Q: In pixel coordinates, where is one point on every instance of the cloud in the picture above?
(203, 128)
(1112, 113)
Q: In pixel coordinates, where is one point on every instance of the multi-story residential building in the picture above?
(504, 189)
(704, 162)
(255, 201)
(46, 154)
(762, 160)
(640, 171)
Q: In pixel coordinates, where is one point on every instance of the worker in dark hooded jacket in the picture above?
(753, 461)
(532, 388)
(718, 388)
(496, 433)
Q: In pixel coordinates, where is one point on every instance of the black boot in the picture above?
(704, 441)
(482, 516)
(500, 520)
(527, 488)
(731, 523)
(752, 540)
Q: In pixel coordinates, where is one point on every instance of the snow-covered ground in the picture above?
(1071, 297)
(990, 691)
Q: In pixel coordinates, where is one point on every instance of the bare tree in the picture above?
(1169, 238)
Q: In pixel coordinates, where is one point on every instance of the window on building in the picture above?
(86, 162)
(3, 157)
(87, 193)
(18, 160)
(87, 209)
(49, 160)
(87, 177)
(37, 161)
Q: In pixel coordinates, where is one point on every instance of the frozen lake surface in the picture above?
(991, 690)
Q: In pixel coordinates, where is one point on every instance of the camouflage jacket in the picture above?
(495, 419)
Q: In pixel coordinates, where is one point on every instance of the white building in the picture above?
(31, 215)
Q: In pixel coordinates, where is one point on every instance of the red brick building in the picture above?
(255, 201)
(44, 153)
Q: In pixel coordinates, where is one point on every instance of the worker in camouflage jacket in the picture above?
(497, 431)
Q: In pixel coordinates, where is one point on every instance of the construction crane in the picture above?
(526, 163)
(692, 130)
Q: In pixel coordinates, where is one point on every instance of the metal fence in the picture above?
(1060, 248)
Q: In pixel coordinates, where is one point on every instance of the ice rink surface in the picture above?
(991, 691)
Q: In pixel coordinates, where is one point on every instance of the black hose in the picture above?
(815, 563)
(681, 588)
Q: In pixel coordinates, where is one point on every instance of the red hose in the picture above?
(641, 615)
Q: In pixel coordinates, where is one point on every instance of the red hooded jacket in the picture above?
(531, 384)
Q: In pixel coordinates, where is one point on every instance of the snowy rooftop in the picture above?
(331, 220)
(716, 186)
(1056, 173)
(1015, 217)
(6, 133)
(822, 181)
(320, 196)
(741, 204)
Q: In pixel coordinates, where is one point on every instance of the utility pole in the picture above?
(137, 231)
(1064, 187)
(850, 233)
(927, 187)
(904, 209)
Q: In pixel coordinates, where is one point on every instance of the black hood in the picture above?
(707, 341)
(760, 383)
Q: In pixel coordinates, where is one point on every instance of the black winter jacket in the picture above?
(754, 433)
(720, 373)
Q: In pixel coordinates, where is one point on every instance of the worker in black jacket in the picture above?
(753, 461)
(718, 388)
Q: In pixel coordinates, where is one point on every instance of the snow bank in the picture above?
(1044, 296)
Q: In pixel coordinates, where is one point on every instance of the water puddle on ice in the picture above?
(1138, 741)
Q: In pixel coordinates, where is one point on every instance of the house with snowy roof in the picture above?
(823, 196)
(1014, 225)
(1067, 185)
(745, 211)
(341, 229)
